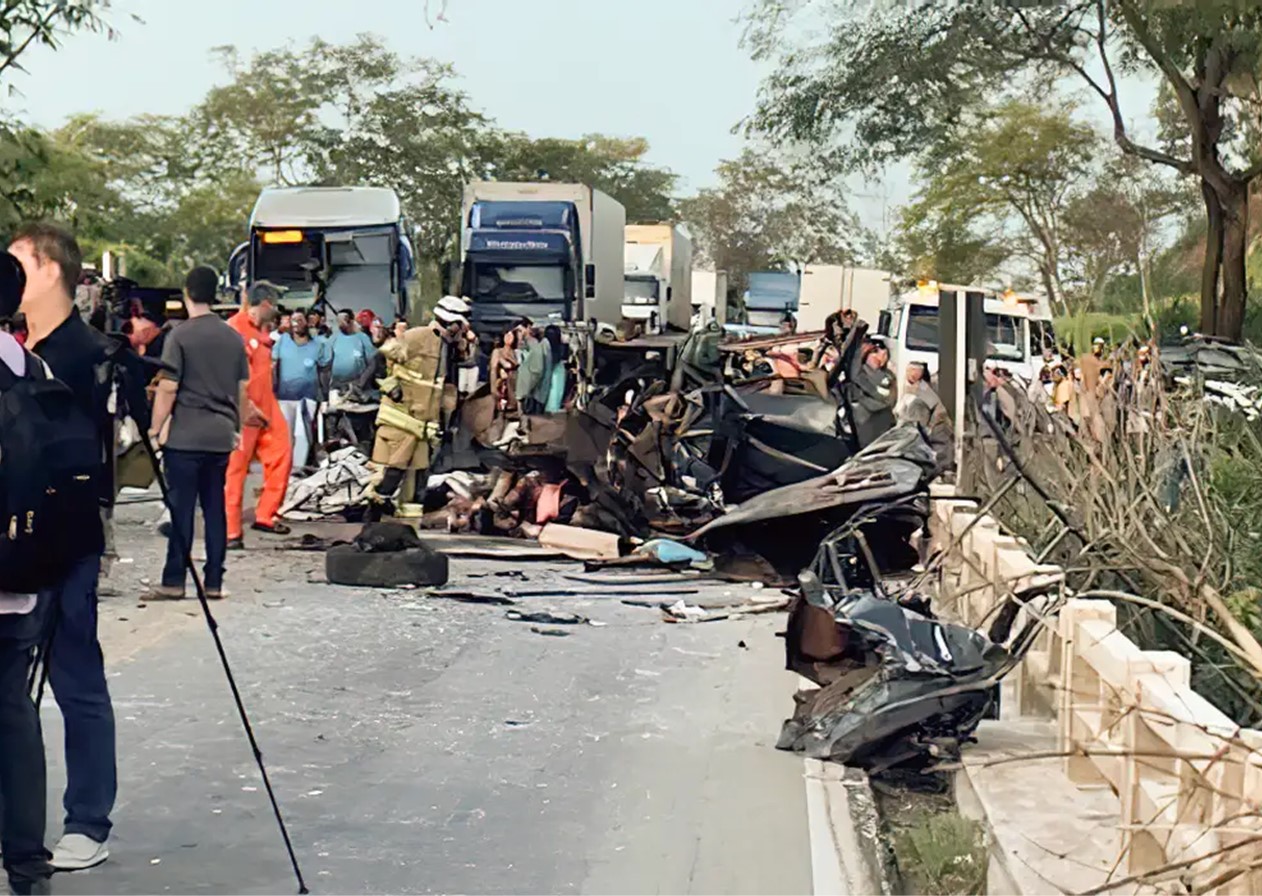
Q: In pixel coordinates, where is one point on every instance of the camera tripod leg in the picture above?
(186, 552)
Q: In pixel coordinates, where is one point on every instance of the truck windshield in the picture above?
(520, 283)
(1003, 333)
(1005, 337)
(640, 291)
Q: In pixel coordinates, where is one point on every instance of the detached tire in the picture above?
(343, 565)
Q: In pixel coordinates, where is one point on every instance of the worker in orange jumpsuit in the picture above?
(263, 433)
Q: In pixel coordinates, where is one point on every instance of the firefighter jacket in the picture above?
(411, 400)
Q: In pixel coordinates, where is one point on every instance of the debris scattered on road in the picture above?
(474, 597)
(550, 632)
(681, 612)
(546, 618)
(580, 544)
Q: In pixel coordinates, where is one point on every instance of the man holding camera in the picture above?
(79, 357)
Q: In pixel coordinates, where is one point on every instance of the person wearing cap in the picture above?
(264, 433)
(874, 393)
(408, 429)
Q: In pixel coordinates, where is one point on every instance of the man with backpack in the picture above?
(71, 540)
(200, 396)
(23, 772)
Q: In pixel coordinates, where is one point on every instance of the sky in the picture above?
(668, 70)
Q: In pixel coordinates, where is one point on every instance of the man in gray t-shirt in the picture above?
(197, 420)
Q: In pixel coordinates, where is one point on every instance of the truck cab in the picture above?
(522, 259)
(550, 252)
(350, 243)
(657, 282)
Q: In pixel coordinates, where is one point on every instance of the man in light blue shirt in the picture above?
(297, 359)
(352, 350)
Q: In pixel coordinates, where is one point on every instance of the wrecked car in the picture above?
(898, 688)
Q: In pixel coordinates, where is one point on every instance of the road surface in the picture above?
(420, 745)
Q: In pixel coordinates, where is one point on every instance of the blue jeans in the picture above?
(76, 673)
(194, 476)
(23, 775)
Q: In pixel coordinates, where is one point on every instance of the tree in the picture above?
(895, 77)
(944, 244)
(423, 141)
(1116, 228)
(1014, 166)
(613, 164)
(46, 177)
(176, 204)
(28, 23)
(765, 214)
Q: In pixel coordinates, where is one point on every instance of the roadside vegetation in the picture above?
(936, 850)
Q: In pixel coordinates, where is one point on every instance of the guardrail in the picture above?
(1188, 781)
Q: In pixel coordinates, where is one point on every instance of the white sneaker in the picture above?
(75, 852)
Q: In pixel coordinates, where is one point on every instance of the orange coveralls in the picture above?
(270, 444)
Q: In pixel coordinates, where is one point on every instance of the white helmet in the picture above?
(453, 305)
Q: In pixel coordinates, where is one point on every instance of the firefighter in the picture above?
(264, 433)
(409, 420)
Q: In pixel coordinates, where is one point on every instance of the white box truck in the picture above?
(546, 251)
(658, 276)
(827, 288)
(709, 296)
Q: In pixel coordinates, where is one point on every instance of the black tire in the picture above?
(343, 565)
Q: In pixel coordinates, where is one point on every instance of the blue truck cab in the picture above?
(522, 259)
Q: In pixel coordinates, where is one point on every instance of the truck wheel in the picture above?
(343, 565)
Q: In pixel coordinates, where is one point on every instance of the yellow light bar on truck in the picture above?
(282, 236)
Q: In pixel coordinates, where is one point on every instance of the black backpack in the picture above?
(50, 480)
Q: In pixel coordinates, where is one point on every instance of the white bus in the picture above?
(355, 238)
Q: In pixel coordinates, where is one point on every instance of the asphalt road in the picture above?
(420, 745)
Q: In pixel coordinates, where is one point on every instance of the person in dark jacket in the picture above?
(874, 393)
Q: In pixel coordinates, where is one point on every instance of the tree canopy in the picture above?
(894, 78)
(765, 214)
(174, 190)
(31, 23)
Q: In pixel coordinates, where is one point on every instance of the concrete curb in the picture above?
(849, 857)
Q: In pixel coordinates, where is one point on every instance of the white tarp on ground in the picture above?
(340, 482)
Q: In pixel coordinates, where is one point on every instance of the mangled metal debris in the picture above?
(896, 687)
(786, 525)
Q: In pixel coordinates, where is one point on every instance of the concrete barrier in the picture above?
(1115, 741)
